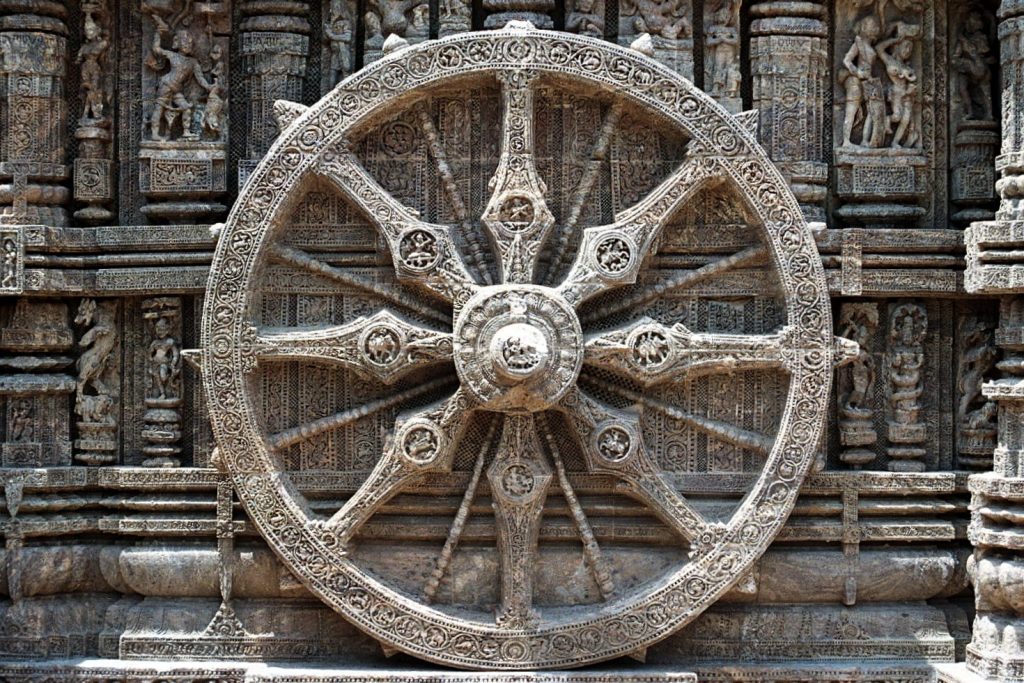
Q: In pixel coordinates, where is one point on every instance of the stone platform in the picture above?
(121, 671)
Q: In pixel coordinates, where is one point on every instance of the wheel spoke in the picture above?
(723, 431)
(305, 432)
(613, 445)
(610, 255)
(297, 258)
(381, 346)
(423, 441)
(690, 278)
(517, 217)
(599, 567)
(651, 353)
(459, 523)
(519, 479)
(423, 253)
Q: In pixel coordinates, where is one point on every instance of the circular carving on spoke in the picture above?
(650, 348)
(419, 250)
(614, 443)
(517, 348)
(505, 347)
(381, 344)
(613, 255)
(420, 442)
(517, 481)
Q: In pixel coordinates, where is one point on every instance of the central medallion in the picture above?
(518, 348)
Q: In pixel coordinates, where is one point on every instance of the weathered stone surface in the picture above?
(340, 342)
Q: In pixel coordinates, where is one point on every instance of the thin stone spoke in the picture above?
(599, 567)
(451, 188)
(610, 255)
(298, 258)
(423, 253)
(382, 346)
(613, 445)
(424, 441)
(305, 432)
(598, 155)
(723, 431)
(652, 353)
(519, 479)
(459, 523)
(691, 278)
(516, 216)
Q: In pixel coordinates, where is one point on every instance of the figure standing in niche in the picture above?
(374, 36)
(214, 110)
(723, 42)
(9, 273)
(21, 421)
(859, 63)
(903, 83)
(165, 360)
(338, 32)
(91, 56)
(171, 103)
(586, 19)
(972, 63)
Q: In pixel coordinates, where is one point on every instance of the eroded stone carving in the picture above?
(908, 325)
(859, 323)
(98, 387)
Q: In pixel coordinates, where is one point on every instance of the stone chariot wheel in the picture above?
(514, 333)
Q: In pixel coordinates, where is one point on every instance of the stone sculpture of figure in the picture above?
(909, 327)
(586, 19)
(723, 43)
(903, 83)
(21, 421)
(213, 113)
(978, 358)
(419, 27)
(859, 63)
(165, 360)
(859, 324)
(374, 41)
(91, 56)
(665, 19)
(97, 344)
(972, 63)
(9, 271)
(339, 32)
(171, 102)
(392, 15)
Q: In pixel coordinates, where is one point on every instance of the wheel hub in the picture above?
(518, 347)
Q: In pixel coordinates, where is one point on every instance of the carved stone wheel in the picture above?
(514, 356)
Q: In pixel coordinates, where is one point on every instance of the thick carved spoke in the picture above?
(613, 445)
(423, 253)
(382, 346)
(610, 255)
(723, 431)
(519, 478)
(651, 353)
(305, 432)
(422, 441)
(517, 217)
(297, 258)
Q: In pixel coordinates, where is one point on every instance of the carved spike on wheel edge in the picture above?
(534, 347)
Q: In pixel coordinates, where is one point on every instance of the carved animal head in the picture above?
(86, 312)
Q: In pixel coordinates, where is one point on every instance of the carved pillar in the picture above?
(663, 30)
(183, 153)
(33, 113)
(274, 43)
(789, 66)
(162, 431)
(94, 165)
(994, 267)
